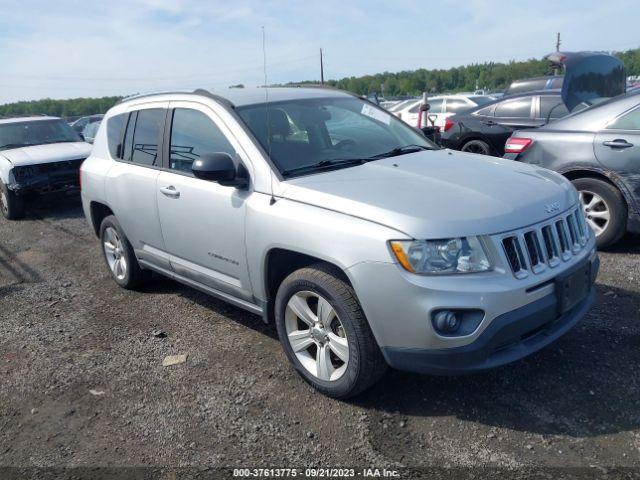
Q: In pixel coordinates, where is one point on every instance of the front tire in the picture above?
(119, 255)
(325, 334)
(11, 205)
(605, 209)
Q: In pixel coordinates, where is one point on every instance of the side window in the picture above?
(514, 108)
(486, 111)
(628, 121)
(552, 105)
(115, 125)
(143, 147)
(435, 105)
(127, 145)
(193, 134)
(415, 108)
(456, 105)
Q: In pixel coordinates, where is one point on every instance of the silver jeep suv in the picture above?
(364, 243)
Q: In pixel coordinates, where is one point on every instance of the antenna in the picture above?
(321, 69)
(266, 104)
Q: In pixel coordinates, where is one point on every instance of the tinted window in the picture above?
(115, 125)
(193, 134)
(456, 105)
(514, 108)
(552, 105)
(629, 121)
(144, 147)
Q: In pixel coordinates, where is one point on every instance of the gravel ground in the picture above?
(83, 382)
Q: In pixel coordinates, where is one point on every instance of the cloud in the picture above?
(63, 49)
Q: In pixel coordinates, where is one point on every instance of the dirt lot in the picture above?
(66, 329)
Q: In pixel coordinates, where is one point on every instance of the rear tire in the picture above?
(605, 208)
(338, 327)
(11, 205)
(477, 146)
(119, 255)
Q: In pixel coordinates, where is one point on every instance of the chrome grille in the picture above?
(546, 245)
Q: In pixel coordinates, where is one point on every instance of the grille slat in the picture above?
(547, 244)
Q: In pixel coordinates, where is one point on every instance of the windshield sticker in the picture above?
(376, 114)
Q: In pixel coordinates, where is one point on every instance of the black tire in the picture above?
(134, 275)
(366, 365)
(477, 146)
(11, 205)
(615, 202)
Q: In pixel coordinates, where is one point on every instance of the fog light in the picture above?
(446, 321)
(456, 322)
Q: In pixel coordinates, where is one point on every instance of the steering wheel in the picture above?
(345, 143)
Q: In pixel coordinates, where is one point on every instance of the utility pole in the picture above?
(321, 69)
(555, 70)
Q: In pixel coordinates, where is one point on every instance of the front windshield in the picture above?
(37, 132)
(317, 132)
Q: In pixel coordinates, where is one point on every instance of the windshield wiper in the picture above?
(400, 151)
(14, 145)
(347, 162)
(325, 164)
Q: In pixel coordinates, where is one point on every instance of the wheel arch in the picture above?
(280, 262)
(98, 211)
(604, 175)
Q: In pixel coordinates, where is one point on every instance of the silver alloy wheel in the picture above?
(596, 210)
(317, 336)
(114, 252)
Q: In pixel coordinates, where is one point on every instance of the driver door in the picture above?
(203, 223)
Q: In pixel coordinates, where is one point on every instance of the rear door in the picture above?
(131, 182)
(509, 115)
(203, 222)
(617, 148)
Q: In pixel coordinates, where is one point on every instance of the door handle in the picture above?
(170, 191)
(618, 143)
(489, 122)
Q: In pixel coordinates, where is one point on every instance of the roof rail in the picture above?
(198, 91)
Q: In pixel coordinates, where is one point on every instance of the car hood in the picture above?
(589, 76)
(51, 152)
(439, 194)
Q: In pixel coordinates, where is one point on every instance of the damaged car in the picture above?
(598, 149)
(589, 77)
(38, 155)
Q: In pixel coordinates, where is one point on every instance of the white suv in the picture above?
(38, 155)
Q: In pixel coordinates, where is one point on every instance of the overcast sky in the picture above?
(64, 48)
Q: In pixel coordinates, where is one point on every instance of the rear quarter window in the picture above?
(115, 125)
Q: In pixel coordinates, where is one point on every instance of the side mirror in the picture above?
(219, 167)
(81, 137)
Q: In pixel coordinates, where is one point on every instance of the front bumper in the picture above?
(510, 337)
(55, 177)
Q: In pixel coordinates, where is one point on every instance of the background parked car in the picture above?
(82, 122)
(38, 155)
(550, 82)
(598, 149)
(485, 129)
(90, 131)
(440, 108)
(589, 77)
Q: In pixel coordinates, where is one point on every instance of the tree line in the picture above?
(491, 76)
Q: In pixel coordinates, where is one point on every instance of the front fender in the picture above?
(331, 236)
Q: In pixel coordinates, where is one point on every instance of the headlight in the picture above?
(450, 255)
